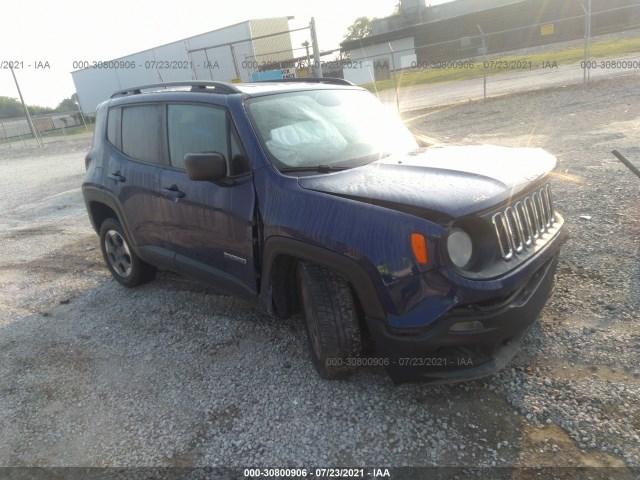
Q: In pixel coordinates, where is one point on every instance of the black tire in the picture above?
(331, 320)
(125, 266)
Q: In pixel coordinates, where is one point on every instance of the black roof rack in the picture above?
(218, 87)
(329, 80)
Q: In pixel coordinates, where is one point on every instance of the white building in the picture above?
(230, 54)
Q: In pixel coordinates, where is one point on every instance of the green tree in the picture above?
(38, 110)
(68, 104)
(10, 108)
(360, 28)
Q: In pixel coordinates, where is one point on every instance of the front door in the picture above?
(210, 225)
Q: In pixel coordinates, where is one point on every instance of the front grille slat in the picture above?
(514, 229)
(552, 209)
(519, 227)
(531, 218)
(525, 225)
(547, 206)
(539, 211)
(502, 231)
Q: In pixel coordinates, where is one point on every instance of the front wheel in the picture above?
(125, 266)
(331, 320)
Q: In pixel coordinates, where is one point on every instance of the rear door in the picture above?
(210, 225)
(137, 137)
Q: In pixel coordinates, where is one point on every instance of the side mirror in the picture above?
(209, 167)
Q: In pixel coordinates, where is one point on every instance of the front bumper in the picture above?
(483, 338)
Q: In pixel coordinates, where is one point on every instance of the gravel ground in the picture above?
(585, 376)
(171, 374)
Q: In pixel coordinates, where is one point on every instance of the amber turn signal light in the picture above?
(419, 246)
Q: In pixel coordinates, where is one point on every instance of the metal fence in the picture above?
(286, 54)
(15, 132)
(566, 51)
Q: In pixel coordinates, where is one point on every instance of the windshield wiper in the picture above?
(317, 168)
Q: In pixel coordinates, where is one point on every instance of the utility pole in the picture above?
(26, 111)
(395, 82)
(316, 49)
(235, 62)
(587, 42)
(483, 49)
(80, 111)
(306, 46)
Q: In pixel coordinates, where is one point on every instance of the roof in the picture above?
(251, 89)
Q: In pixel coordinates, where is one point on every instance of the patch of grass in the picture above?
(567, 56)
(57, 133)
(69, 131)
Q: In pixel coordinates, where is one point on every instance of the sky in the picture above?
(60, 32)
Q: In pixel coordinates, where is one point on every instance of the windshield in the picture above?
(334, 128)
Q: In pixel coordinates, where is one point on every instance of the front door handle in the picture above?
(117, 177)
(173, 192)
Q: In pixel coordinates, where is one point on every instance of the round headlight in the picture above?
(459, 247)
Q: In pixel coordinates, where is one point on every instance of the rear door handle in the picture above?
(173, 192)
(117, 177)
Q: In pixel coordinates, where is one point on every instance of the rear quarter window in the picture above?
(113, 127)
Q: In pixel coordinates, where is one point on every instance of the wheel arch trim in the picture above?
(93, 195)
(349, 268)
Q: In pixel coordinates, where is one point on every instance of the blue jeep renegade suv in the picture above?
(311, 196)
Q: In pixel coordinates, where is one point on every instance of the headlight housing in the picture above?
(459, 247)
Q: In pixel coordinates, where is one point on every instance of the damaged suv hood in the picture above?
(450, 181)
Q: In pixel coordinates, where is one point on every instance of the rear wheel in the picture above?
(331, 320)
(125, 266)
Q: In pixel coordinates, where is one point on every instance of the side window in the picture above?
(196, 129)
(113, 127)
(142, 133)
